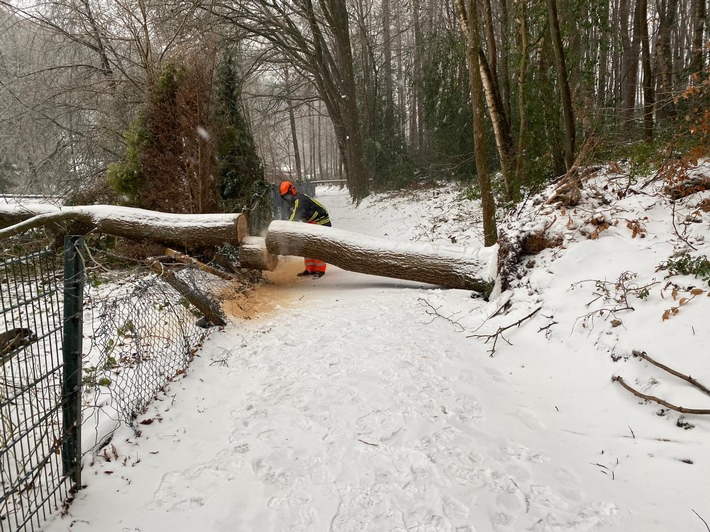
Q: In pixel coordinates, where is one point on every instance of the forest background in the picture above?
(196, 106)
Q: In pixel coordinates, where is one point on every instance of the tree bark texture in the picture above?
(468, 17)
(449, 266)
(189, 230)
(697, 62)
(649, 98)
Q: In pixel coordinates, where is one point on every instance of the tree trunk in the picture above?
(625, 58)
(505, 73)
(292, 123)
(347, 128)
(563, 79)
(649, 98)
(188, 230)
(501, 129)
(468, 20)
(450, 266)
(697, 63)
(520, 159)
(417, 112)
(603, 47)
(387, 65)
(665, 106)
(631, 67)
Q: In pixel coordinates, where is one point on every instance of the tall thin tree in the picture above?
(468, 19)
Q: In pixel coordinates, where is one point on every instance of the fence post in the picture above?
(71, 347)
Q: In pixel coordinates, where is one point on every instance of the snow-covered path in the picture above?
(351, 406)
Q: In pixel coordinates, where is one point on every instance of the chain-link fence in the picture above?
(138, 333)
(144, 334)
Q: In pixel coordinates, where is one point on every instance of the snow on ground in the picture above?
(361, 403)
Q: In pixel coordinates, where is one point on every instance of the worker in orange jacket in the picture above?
(306, 209)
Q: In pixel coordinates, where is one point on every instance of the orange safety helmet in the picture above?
(286, 187)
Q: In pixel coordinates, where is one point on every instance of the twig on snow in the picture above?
(435, 312)
(675, 228)
(703, 520)
(687, 378)
(367, 442)
(658, 400)
(499, 332)
(544, 328)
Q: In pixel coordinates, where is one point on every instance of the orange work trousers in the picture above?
(314, 265)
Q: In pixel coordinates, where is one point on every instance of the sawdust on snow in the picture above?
(270, 295)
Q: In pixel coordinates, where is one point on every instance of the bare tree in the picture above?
(631, 65)
(315, 38)
(292, 123)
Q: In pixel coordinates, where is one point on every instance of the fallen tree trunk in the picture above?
(253, 254)
(189, 230)
(449, 266)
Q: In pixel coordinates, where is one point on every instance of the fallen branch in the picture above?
(675, 228)
(209, 310)
(501, 330)
(186, 259)
(658, 400)
(687, 378)
(544, 328)
(435, 312)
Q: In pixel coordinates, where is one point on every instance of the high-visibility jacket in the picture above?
(306, 209)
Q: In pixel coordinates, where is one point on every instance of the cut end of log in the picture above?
(253, 254)
(242, 228)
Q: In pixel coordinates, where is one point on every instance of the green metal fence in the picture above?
(79, 347)
(33, 481)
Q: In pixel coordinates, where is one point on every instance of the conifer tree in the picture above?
(241, 172)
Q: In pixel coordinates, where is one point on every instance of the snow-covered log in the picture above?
(188, 230)
(253, 254)
(449, 266)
